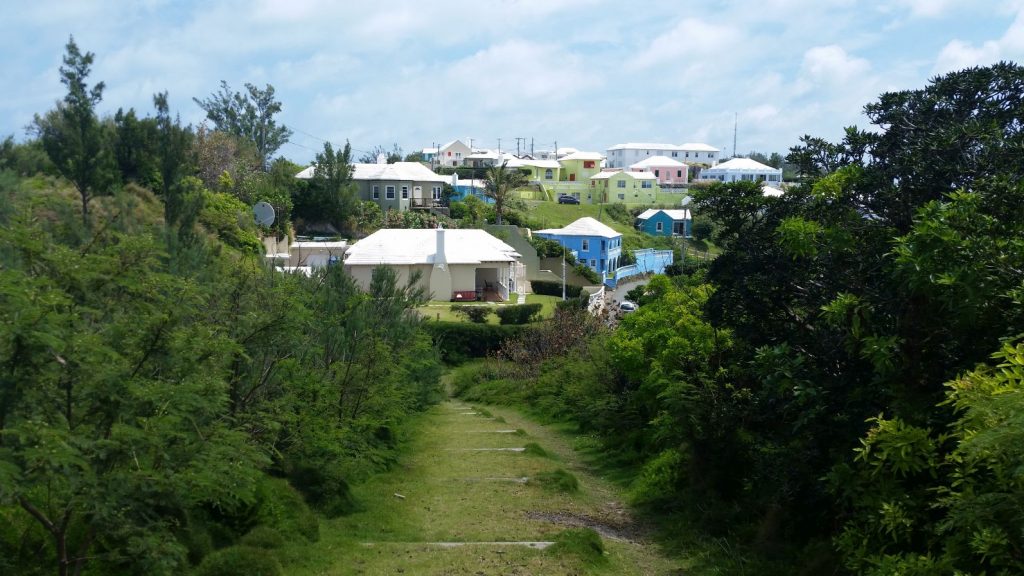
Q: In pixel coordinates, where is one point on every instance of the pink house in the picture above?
(669, 172)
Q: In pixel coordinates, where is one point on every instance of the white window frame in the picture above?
(389, 192)
(405, 192)
(376, 192)
(586, 246)
(646, 184)
(435, 192)
(620, 183)
(659, 226)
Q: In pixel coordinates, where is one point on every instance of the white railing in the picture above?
(503, 291)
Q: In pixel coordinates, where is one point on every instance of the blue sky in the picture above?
(584, 73)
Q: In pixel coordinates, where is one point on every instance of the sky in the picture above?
(583, 73)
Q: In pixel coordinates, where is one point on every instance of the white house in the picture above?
(623, 155)
(451, 154)
(454, 264)
(742, 169)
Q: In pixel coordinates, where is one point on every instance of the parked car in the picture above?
(568, 199)
(627, 306)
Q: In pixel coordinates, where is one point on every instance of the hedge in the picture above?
(459, 341)
(549, 288)
(519, 313)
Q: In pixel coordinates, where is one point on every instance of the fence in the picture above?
(648, 261)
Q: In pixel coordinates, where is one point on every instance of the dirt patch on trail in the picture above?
(615, 522)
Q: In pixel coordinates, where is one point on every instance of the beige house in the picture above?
(453, 264)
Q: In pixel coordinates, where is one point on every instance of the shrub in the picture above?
(548, 288)
(519, 313)
(583, 543)
(459, 341)
(557, 481)
(281, 506)
(239, 561)
(263, 537)
(619, 213)
(324, 488)
(534, 449)
(475, 314)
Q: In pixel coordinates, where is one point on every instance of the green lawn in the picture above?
(445, 489)
(442, 310)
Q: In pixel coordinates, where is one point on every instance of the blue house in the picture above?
(665, 223)
(594, 244)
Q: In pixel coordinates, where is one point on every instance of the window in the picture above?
(593, 263)
(659, 226)
(675, 154)
(549, 174)
(586, 246)
(389, 192)
(622, 196)
(376, 192)
(405, 192)
(679, 173)
(435, 192)
(646, 184)
(657, 173)
(620, 184)
(588, 163)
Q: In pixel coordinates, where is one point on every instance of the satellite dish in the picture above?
(263, 212)
(685, 201)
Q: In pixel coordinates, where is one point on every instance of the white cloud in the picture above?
(831, 65)
(957, 54)
(691, 40)
(927, 8)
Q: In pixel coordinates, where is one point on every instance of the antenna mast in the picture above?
(735, 123)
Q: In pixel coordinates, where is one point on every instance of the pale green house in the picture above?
(625, 187)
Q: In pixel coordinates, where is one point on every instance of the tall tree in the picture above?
(391, 156)
(72, 134)
(501, 181)
(248, 115)
(175, 144)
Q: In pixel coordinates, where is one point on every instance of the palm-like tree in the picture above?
(501, 181)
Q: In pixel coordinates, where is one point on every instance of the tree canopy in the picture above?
(248, 115)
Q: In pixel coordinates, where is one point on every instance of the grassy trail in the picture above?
(446, 490)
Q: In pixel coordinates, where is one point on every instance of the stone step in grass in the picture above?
(537, 545)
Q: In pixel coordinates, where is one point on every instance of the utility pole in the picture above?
(563, 273)
(499, 146)
(470, 145)
(531, 146)
(735, 123)
(518, 139)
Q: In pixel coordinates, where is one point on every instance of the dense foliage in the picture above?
(824, 394)
(167, 400)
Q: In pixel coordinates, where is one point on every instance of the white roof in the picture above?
(449, 145)
(699, 147)
(325, 245)
(740, 165)
(645, 146)
(483, 155)
(585, 226)
(583, 156)
(772, 191)
(565, 151)
(689, 146)
(398, 171)
(605, 174)
(419, 246)
(430, 150)
(658, 161)
(542, 163)
(673, 214)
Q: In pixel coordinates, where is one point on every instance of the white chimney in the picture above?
(382, 158)
(439, 257)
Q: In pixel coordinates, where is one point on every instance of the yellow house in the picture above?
(617, 186)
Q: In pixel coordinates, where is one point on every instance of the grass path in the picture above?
(445, 489)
